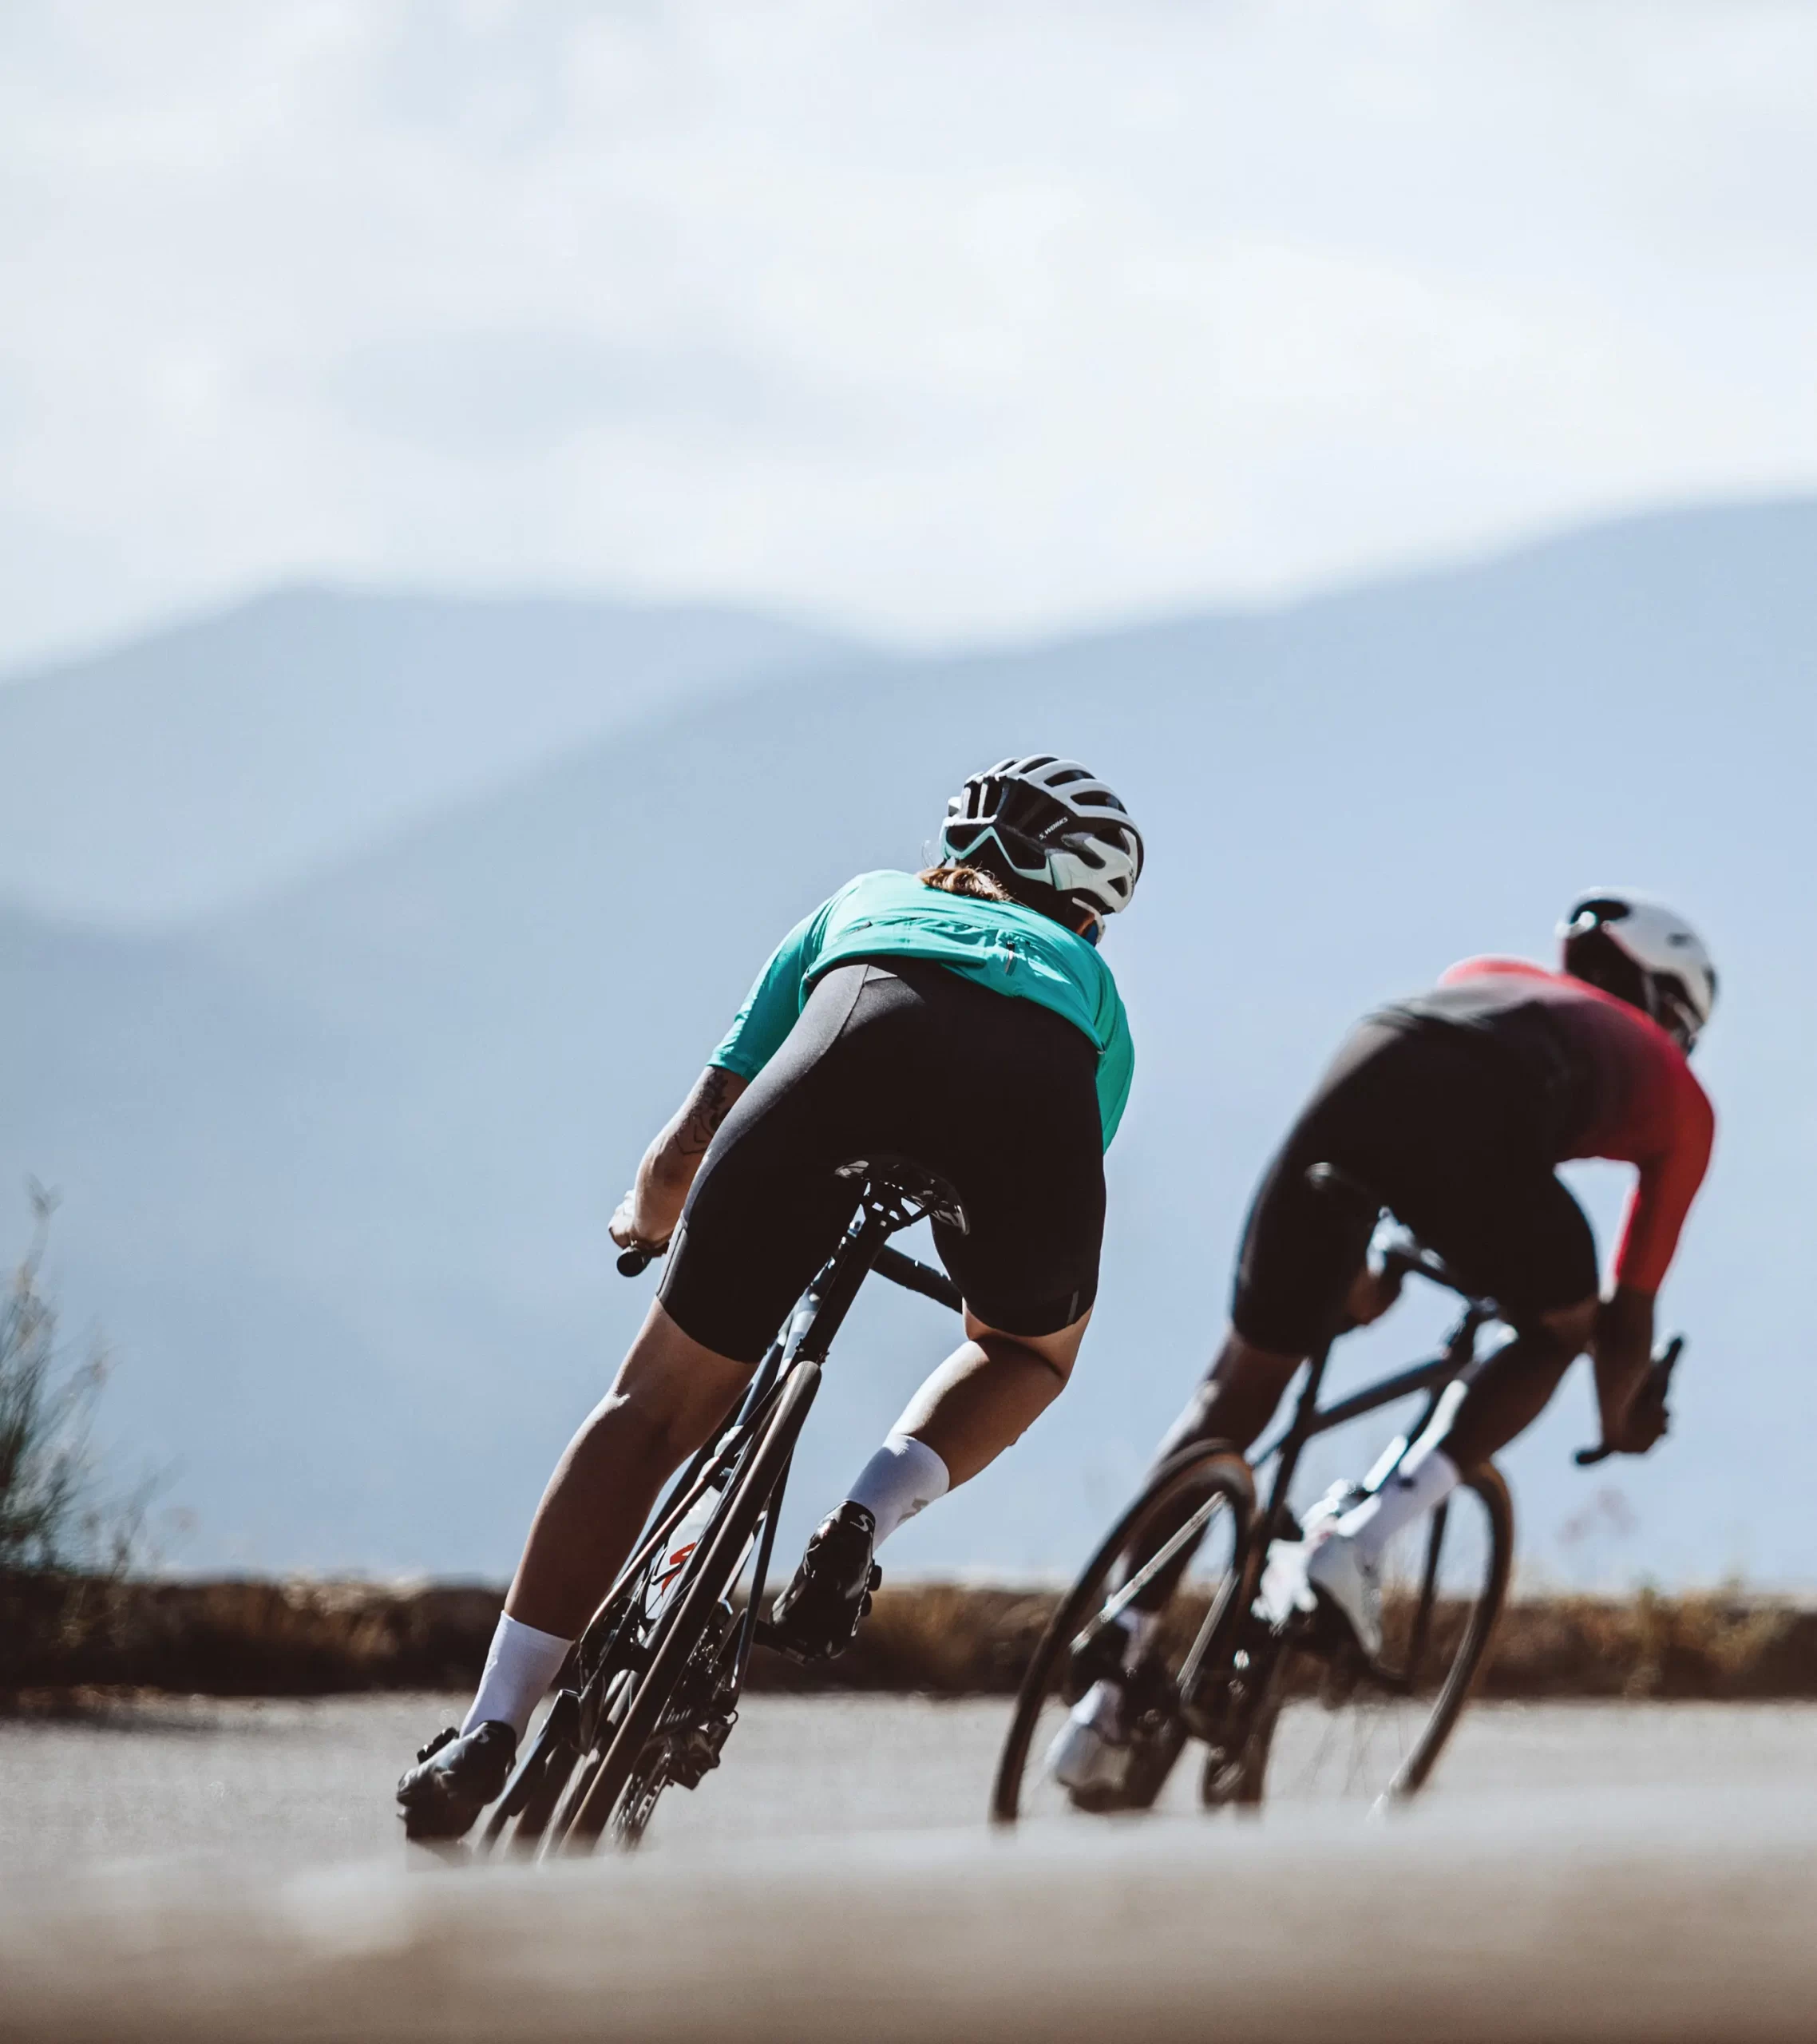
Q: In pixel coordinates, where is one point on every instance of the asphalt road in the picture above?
(210, 1872)
(296, 1784)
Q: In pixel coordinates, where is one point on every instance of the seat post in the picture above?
(851, 1265)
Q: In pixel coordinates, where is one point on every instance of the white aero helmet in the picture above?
(1052, 824)
(1636, 947)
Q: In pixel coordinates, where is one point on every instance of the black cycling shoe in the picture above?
(456, 1776)
(818, 1613)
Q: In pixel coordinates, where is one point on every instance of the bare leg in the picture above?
(667, 1398)
(1235, 1401)
(985, 1396)
(988, 1392)
(1513, 1387)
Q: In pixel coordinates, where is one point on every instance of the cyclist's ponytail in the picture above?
(955, 879)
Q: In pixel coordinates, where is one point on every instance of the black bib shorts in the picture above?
(1452, 1132)
(899, 1057)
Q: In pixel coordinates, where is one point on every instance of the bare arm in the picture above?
(647, 1214)
(1623, 1349)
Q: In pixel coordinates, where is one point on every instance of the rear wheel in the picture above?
(685, 1746)
(1330, 1729)
(1203, 1496)
(675, 1711)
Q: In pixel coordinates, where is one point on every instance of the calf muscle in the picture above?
(668, 1397)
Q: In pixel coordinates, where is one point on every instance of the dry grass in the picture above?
(241, 1638)
(255, 1638)
(1701, 1644)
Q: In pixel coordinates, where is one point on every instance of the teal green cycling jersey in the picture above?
(1010, 949)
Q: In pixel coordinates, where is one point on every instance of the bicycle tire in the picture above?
(1491, 1486)
(582, 1779)
(1246, 1786)
(543, 1799)
(709, 1573)
(560, 1792)
(1219, 1470)
(521, 1814)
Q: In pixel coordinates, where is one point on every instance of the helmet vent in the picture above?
(1054, 827)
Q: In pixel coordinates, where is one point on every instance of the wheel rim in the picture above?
(1337, 1735)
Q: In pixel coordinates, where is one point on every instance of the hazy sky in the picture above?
(939, 319)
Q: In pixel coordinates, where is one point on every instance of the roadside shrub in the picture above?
(50, 1523)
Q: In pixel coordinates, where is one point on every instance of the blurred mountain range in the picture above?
(229, 755)
(337, 1151)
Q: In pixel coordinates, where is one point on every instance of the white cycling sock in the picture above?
(520, 1664)
(1422, 1478)
(903, 1475)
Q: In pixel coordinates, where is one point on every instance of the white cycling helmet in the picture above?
(1053, 826)
(1644, 953)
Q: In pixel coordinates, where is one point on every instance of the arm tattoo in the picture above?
(708, 1105)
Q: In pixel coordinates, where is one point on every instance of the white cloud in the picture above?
(945, 318)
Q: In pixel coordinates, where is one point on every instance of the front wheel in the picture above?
(1332, 1728)
(1188, 1530)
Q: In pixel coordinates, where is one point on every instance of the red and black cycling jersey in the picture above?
(1615, 1084)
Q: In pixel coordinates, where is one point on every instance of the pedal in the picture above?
(780, 1642)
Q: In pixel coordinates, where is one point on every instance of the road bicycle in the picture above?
(650, 1694)
(1295, 1709)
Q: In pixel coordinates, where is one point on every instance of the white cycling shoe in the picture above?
(1091, 1755)
(1326, 1565)
(1338, 1571)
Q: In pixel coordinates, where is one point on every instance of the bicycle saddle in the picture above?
(902, 1179)
(1402, 1249)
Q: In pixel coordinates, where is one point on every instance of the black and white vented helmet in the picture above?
(1054, 825)
(1635, 947)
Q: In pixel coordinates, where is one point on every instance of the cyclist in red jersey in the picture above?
(1454, 1108)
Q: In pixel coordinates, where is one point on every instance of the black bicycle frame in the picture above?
(882, 1209)
(1310, 1420)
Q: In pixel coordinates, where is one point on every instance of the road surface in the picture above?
(295, 1785)
(213, 1872)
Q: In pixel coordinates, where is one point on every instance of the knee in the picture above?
(652, 1429)
(1245, 1376)
(1235, 1399)
(1033, 1356)
(671, 1392)
(1055, 1353)
(667, 1421)
(1567, 1331)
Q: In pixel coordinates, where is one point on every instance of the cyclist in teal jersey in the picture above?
(999, 945)
(961, 1018)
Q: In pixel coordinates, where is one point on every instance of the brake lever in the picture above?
(1658, 1383)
